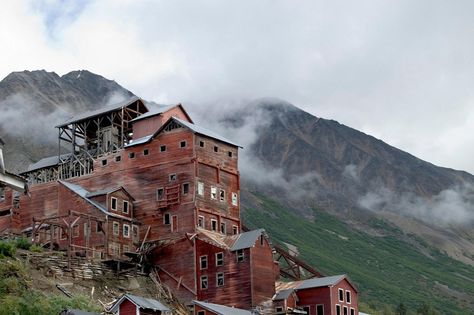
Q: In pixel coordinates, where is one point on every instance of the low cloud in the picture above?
(453, 206)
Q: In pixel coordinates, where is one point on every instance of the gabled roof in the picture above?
(320, 282)
(222, 309)
(107, 191)
(282, 294)
(83, 193)
(247, 239)
(100, 111)
(194, 128)
(157, 109)
(141, 302)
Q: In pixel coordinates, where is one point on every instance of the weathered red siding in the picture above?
(127, 308)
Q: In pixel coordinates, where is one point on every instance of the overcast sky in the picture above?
(402, 71)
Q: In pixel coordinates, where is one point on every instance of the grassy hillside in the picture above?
(386, 269)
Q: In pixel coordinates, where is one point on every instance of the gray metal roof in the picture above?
(45, 162)
(141, 302)
(101, 192)
(247, 239)
(205, 132)
(138, 141)
(76, 312)
(100, 111)
(155, 109)
(282, 294)
(320, 282)
(221, 309)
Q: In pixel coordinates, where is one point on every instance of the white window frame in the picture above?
(220, 261)
(112, 203)
(352, 311)
(221, 276)
(170, 177)
(240, 255)
(206, 279)
(115, 228)
(200, 188)
(128, 207)
(339, 295)
(203, 220)
(223, 228)
(317, 308)
(185, 144)
(214, 227)
(235, 199)
(345, 310)
(235, 229)
(126, 227)
(204, 259)
(221, 195)
(213, 193)
(348, 301)
(184, 184)
(340, 309)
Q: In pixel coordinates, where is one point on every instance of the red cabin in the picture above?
(136, 305)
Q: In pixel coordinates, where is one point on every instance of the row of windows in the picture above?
(200, 192)
(213, 227)
(202, 144)
(341, 296)
(345, 310)
(114, 248)
(203, 261)
(125, 230)
(219, 281)
(125, 205)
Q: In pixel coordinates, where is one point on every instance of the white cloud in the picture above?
(399, 70)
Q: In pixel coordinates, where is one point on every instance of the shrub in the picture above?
(36, 248)
(7, 249)
(23, 243)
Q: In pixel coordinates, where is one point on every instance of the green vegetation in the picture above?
(387, 270)
(16, 296)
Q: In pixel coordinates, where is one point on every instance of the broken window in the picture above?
(221, 194)
(201, 221)
(118, 158)
(219, 259)
(223, 228)
(185, 188)
(104, 162)
(172, 177)
(126, 230)
(240, 255)
(126, 248)
(135, 232)
(162, 148)
(229, 153)
(203, 262)
(131, 155)
(146, 152)
(216, 148)
(200, 188)
(201, 144)
(75, 231)
(182, 144)
(234, 199)
(204, 282)
(213, 225)
(279, 309)
(235, 229)
(113, 203)
(160, 193)
(62, 234)
(320, 309)
(116, 228)
(167, 219)
(125, 206)
(213, 192)
(220, 279)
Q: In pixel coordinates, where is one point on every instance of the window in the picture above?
(348, 297)
(213, 192)
(352, 311)
(113, 203)
(240, 255)
(131, 155)
(126, 230)
(200, 188)
(203, 262)
(341, 295)
(75, 231)
(220, 279)
(162, 148)
(118, 158)
(306, 309)
(279, 309)
(167, 219)
(213, 225)
(126, 248)
(223, 228)
(338, 309)
(229, 153)
(320, 309)
(345, 311)
(172, 177)
(160, 193)
(87, 229)
(185, 188)
(135, 232)
(125, 206)
(234, 199)
(104, 162)
(201, 144)
(220, 259)
(201, 313)
(221, 194)
(216, 148)
(146, 152)
(201, 221)
(235, 229)
(115, 228)
(203, 282)
(62, 234)
(262, 240)
(182, 144)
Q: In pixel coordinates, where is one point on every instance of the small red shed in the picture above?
(136, 305)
